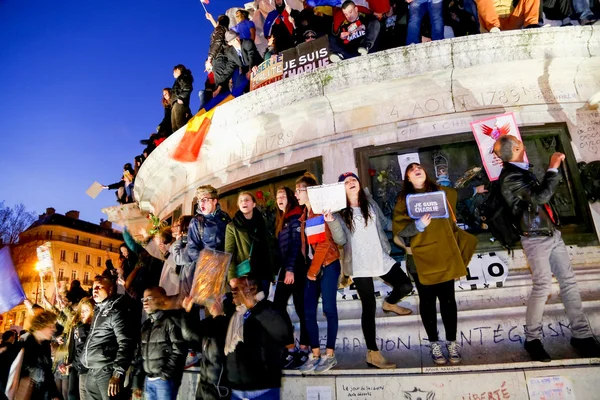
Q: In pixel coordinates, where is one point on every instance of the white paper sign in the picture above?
(330, 197)
(406, 159)
(486, 132)
(94, 190)
(550, 388)
(318, 392)
(587, 137)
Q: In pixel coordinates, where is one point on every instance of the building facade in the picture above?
(79, 248)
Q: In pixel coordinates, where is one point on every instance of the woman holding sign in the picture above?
(360, 228)
(440, 252)
(322, 255)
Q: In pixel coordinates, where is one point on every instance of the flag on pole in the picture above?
(203, 2)
(12, 293)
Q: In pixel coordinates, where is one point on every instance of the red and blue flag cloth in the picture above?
(315, 230)
(12, 293)
(198, 127)
(321, 3)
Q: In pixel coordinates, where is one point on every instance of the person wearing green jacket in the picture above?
(247, 238)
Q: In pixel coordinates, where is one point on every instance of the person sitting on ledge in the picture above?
(355, 30)
(495, 16)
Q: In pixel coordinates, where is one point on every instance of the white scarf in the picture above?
(235, 332)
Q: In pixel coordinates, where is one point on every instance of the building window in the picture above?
(63, 255)
(89, 241)
(61, 274)
(110, 247)
(86, 278)
(73, 275)
(48, 234)
(88, 259)
(99, 262)
(76, 258)
(77, 239)
(100, 245)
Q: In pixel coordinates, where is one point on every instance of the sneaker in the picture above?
(495, 30)
(336, 57)
(536, 351)
(436, 354)
(311, 363)
(288, 361)
(453, 353)
(363, 51)
(587, 347)
(300, 357)
(327, 362)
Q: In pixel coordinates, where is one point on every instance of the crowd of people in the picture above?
(354, 28)
(134, 335)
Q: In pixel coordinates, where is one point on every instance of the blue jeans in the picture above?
(582, 9)
(416, 11)
(266, 394)
(160, 390)
(326, 286)
(129, 190)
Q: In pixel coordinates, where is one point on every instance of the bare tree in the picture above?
(13, 221)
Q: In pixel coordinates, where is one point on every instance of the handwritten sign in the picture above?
(432, 203)
(587, 139)
(404, 160)
(268, 71)
(486, 132)
(94, 190)
(550, 388)
(318, 393)
(330, 197)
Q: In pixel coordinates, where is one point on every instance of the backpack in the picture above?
(498, 218)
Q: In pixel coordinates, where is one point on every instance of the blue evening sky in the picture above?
(81, 84)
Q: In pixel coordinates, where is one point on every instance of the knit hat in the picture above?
(343, 176)
(230, 35)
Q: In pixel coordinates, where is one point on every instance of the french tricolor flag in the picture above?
(315, 230)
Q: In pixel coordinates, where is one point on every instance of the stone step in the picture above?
(493, 336)
(515, 292)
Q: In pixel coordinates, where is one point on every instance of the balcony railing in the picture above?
(67, 239)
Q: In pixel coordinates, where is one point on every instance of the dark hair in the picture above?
(507, 144)
(160, 290)
(292, 203)
(184, 223)
(245, 13)
(407, 186)
(347, 4)
(348, 214)
(307, 179)
(104, 280)
(166, 235)
(166, 103)
(180, 67)
(223, 20)
(121, 254)
(9, 334)
(128, 167)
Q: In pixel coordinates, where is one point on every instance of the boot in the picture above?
(388, 307)
(376, 359)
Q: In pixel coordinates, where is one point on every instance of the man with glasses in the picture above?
(207, 229)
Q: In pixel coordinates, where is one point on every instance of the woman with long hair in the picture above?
(77, 336)
(437, 254)
(247, 239)
(164, 129)
(180, 96)
(321, 252)
(360, 228)
(244, 27)
(292, 275)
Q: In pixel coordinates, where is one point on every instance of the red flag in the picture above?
(204, 1)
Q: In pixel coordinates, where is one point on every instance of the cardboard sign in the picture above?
(94, 190)
(330, 197)
(268, 71)
(432, 203)
(210, 276)
(486, 132)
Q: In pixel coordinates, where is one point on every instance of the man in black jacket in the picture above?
(180, 96)
(161, 353)
(240, 59)
(109, 346)
(529, 201)
(217, 39)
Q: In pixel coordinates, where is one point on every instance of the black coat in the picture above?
(182, 88)
(162, 350)
(37, 365)
(527, 197)
(111, 341)
(290, 241)
(79, 334)
(226, 64)
(256, 362)
(164, 129)
(217, 42)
